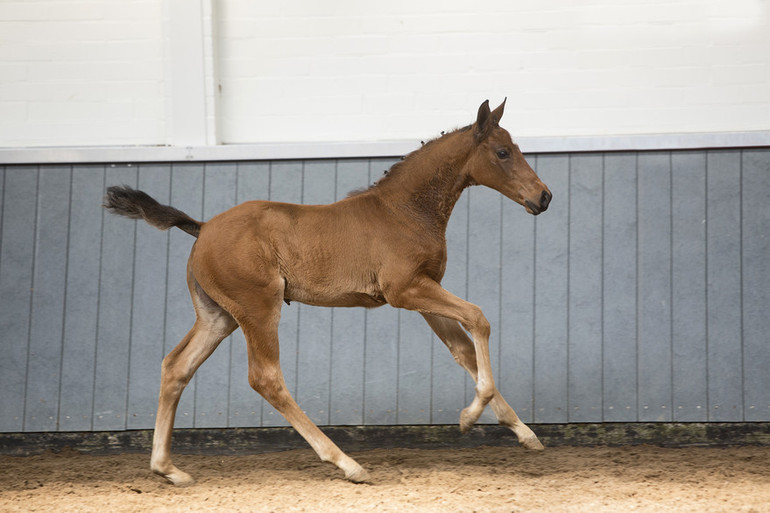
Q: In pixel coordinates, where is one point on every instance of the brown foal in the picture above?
(382, 245)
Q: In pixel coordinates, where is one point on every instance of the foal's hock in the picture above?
(382, 245)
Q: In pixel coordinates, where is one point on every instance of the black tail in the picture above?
(128, 202)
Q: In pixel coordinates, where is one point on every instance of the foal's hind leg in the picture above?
(212, 325)
(259, 322)
(461, 347)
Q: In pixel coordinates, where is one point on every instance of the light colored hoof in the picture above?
(358, 475)
(177, 478)
(532, 443)
(467, 420)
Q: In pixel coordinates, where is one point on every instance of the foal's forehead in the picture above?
(501, 136)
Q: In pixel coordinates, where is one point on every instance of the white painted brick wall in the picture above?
(296, 71)
(81, 73)
(93, 72)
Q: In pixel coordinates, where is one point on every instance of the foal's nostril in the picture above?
(545, 200)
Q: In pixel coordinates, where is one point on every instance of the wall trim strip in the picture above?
(372, 149)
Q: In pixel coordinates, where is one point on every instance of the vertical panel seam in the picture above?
(601, 296)
(706, 280)
(740, 277)
(569, 241)
(31, 296)
(670, 407)
(98, 307)
(64, 302)
(638, 288)
(131, 315)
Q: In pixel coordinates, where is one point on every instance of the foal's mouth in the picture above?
(535, 209)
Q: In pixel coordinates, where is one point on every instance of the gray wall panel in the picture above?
(113, 330)
(640, 295)
(551, 295)
(723, 292)
(585, 288)
(688, 281)
(381, 366)
(517, 308)
(16, 261)
(50, 271)
(756, 283)
(654, 287)
(76, 389)
(415, 359)
(619, 288)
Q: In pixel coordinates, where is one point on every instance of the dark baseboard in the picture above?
(361, 438)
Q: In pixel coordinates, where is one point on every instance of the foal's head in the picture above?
(498, 163)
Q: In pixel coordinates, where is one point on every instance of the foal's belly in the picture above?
(313, 296)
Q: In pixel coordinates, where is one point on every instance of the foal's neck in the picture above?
(428, 183)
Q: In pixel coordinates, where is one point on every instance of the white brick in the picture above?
(349, 70)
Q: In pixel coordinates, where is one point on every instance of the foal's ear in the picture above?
(483, 122)
(497, 114)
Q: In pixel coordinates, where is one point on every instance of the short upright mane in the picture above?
(396, 168)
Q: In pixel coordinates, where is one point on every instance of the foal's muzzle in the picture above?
(545, 200)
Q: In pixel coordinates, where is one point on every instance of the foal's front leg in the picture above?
(461, 348)
(429, 298)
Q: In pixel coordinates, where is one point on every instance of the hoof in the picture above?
(358, 475)
(532, 443)
(178, 478)
(467, 420)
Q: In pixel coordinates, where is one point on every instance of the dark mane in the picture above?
(396, 168)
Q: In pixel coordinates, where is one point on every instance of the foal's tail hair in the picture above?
(128, 202)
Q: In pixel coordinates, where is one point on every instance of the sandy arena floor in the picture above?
(489, 479)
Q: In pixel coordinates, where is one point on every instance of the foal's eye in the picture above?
(503, 154)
